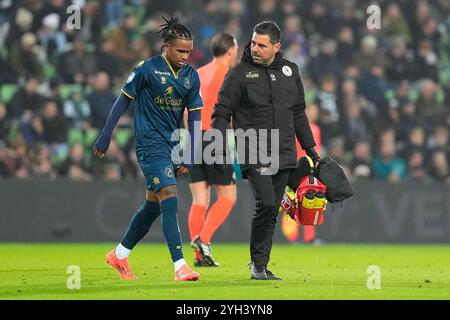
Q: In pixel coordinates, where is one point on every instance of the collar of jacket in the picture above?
(276, 64)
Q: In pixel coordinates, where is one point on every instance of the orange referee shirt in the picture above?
(211, 76)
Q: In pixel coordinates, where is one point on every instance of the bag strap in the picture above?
(311, 163)
(311, 169)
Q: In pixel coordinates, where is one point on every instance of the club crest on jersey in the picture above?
(155, 180)
(163, 80)
(187, 83)
(287, 71)
(169, 172)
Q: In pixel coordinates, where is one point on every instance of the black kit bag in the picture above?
(333, 177)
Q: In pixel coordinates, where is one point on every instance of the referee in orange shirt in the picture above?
(203, 223)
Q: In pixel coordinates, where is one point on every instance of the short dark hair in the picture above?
(269, 28)
(221, 43)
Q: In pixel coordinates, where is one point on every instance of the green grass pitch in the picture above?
(330, 271)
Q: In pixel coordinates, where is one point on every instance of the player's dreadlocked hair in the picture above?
(174, 29)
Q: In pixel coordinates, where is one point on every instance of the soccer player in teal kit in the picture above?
(162, 87)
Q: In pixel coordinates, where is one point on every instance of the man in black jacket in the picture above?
(265, 92)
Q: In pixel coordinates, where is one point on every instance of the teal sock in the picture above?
(169, 213)
(140, 224)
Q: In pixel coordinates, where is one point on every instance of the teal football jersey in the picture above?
(161, 95)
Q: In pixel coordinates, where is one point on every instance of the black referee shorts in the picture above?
(207, 172)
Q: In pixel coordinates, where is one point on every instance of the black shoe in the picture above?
(257, 273)
(205, 251)
(271, 276)
(199, 263)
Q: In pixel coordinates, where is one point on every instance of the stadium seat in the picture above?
(68, 89)
(389, 94)
(60, 153)
(440, 96)
(444, 75)
(75, 136)
(414, 94)
(123, 136)
(91, 136)
(7, 91)
(310, 95)
(85, 138)
(49, 71)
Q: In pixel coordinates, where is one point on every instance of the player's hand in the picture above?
(311, 152)
(101, 146)
(182, 170)
(98, 153)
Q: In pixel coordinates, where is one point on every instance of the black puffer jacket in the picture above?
(265, 97)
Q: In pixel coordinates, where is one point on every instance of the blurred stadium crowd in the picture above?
(380, 97)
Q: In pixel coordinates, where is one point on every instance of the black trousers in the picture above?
(268, 192)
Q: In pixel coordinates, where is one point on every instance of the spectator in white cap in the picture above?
(52, 39)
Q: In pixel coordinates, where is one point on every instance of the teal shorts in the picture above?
(159, 171)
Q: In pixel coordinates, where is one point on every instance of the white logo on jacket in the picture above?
(287, 71)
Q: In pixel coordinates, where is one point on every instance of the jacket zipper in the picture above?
(271, 97)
